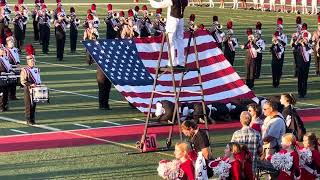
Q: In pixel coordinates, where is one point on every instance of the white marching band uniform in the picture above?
(175, 30)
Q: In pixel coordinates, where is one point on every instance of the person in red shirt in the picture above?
(310, 171)
(181, 152)
(245, 158)
(289, 146)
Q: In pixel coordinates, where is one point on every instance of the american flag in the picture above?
(130, 64)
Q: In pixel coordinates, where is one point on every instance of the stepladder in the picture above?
(180, 88)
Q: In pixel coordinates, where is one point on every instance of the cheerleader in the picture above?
(309, 170)
(181, 152)
(283, 6)
(231, 161)
(288, 144)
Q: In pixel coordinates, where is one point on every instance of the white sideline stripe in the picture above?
(82, 125)
(114, 123)
(137, 119)
(18, 131)
(62, 65)
(74, 133)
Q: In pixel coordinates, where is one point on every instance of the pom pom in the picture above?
(220, 168)
(229, 24)
(282, 162)
(169, 169)
(305, 157)
(192, 17)
(29, 50)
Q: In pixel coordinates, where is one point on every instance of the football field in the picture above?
(76, 140)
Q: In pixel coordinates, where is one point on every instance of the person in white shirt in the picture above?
(174, 27)
(304, 6)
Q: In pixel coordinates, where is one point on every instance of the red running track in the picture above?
(103, 135)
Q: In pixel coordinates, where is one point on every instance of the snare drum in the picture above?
(40, 94)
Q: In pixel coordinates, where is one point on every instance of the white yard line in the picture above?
(18, 131)
(81, 125)
(114, 123)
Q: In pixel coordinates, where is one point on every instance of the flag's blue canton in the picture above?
(119, 60)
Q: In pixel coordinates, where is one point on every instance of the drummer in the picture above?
(30, 78)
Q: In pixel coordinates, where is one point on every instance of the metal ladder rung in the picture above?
(177, 69)
(191, 101)
(169, 94)
(189, 85)
(192, 92)
(160, 125)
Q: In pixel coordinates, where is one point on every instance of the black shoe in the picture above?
(105, 108)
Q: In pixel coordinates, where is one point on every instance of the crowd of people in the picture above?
(272, 137)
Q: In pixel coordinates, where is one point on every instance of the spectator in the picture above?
(249, 137)
(273, 129)
(293, 121)
(255, 112)
(199, 141)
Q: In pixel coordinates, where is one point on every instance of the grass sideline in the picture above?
(109, 161)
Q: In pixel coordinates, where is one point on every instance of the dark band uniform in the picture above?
(74, 23)
(60, 29)
(277, 51)
(44, 26)
(251, 55)
(5, 67)
(19, 22)
(29, 76)
(35, 22)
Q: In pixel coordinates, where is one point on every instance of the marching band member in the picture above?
(235, 4)
(251, 55)
(283, 42)
(283, 6)
(136, 11)
(60, 25)
(45, 23)
(216, 31)
(221, 4)
(316, 47)
(145, 23)
(112, 24)
(30, 78)
(310, 170)
(255, 4)
(262, 5)
(96, 21)
(14, 59)
(304, 6)
(230, 44)
(5, 67)
(90, 33)
(74, 24)
(314, 7)
(129, 29)
(295, 36)
(272, 5)
(159, 23)
(35, 20)
(303, 50)
(276, 62)
(2, 19)
(174, 27)
(293, 6)
(19, 21)
(262, 46)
